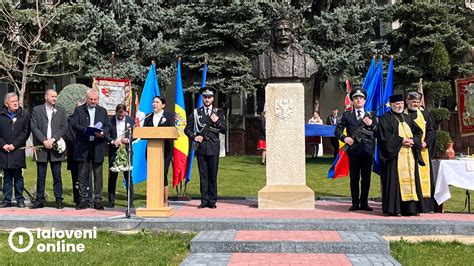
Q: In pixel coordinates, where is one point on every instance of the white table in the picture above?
(452, 173)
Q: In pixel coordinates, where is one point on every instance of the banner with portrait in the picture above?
(112, 92)
(465, 102)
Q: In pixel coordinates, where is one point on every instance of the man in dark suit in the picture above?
(121, 124)
(48, 125)
(89, 149)
(203, 127)
(360, 128)
(334, 119)
(14, 131)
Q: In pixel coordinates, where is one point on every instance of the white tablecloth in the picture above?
(454, 173)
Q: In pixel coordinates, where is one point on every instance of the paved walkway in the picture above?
(234, 209)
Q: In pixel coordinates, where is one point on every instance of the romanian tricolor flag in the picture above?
(340, 166)
(181, 145)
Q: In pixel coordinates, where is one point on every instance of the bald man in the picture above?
(89, 148)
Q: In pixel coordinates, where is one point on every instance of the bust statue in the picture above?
(284, 59)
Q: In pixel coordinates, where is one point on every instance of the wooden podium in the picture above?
(155, 169)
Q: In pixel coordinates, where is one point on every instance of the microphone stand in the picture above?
(129, 184)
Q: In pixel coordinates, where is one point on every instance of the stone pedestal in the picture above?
(286, 171)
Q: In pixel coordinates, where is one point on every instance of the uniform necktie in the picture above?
(359, 114)
(208, 112)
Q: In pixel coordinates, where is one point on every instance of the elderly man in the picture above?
(360, 141)
(204, 126)
(425, 122)
(48, 125)
(14, 131)
(400, 140)
(89, 148)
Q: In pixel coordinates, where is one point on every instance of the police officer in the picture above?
(203, 127)
(360, 127)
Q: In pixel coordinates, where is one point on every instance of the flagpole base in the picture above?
(286, 197)
(157, 212)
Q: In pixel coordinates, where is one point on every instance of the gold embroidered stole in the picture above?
(424, 171)
(406, 165)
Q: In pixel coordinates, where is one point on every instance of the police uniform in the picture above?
(360, 153)
(207, 152)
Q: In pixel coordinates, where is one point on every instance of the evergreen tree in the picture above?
(433, 42)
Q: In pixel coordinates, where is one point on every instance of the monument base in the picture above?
(159, 212)
(286, 197)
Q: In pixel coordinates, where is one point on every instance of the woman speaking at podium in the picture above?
(160, 118)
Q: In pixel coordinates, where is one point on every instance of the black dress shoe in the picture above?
(353, 208)
(111, 204)
(5, 204)
(37, 205)
(81, 206)
(21, 205)
(98, 205)
(202, 205)
(212, 206)
(59, 205)
(366, 208)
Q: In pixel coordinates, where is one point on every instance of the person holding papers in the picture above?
(160, 118)
(91, 124)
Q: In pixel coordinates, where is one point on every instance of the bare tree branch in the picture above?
(11, 78)
(57, 75)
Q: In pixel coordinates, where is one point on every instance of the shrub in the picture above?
(442, 140)
(70, 94)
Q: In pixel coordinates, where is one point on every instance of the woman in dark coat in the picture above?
(160, 118)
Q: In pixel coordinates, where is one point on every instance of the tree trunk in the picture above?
(316, 93)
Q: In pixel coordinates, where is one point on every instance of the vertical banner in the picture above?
(465, 102)
(112, 92)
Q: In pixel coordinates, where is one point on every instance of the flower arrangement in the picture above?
(59, 146)
(121, 160)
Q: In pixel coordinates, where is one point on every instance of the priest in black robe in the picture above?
(399, 141)
(425, 121)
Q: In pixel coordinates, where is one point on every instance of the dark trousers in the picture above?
(42, 168)
(360, 168)
(10, 177)
(84, 170)
(113, 183)
(73, 166)
(208, 165)
(335, 145)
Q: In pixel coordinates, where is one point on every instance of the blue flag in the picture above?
(370, 74)
(199, 105)
(150, 90)
(383, 108)
(375, 89)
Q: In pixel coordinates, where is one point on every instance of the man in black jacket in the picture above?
(14, 131)
(89, 149)
(203, 127)
(48, 125)
(121, 125)
(360, 128)
(334, 119)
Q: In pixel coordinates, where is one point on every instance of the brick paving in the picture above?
(331, 210)
(241, 259)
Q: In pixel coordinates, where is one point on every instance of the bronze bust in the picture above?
(284, 59)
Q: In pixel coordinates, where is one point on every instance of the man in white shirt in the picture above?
(49, 126)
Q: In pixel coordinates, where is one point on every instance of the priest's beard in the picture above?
(397, 110)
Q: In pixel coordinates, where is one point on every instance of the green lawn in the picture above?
(238, 176)
(432, 253)
(144, 248)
